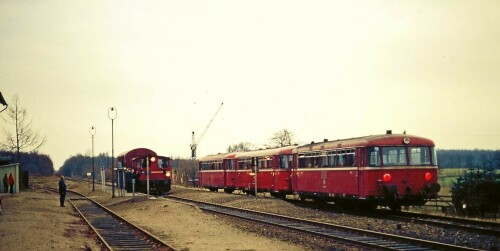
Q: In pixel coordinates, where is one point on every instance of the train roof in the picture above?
(137, 152)
(219, 156)
(249, 154)
(367, 141)
(267, 152)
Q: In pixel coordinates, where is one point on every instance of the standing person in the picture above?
(11, 183)
(62, 191)
(5, 183)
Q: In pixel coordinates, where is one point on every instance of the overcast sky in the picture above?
(322, 69)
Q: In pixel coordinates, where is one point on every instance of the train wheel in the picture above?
(320, 201)
(395, 208)
(228, 190)
(278, 195)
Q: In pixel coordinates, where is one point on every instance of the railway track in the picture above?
(114, 232)
(363, 238)
(469, 225)
(481, 227)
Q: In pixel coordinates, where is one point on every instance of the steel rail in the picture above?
(482, 227)
(110, 228)
(469, 225)
(358, 236)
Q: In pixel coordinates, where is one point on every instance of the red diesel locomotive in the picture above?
(136, 163)
(388, 170)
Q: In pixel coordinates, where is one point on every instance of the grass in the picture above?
(447, 176)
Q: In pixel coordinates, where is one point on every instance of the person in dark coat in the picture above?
(62, 191)
(5, 184)
(11, 183)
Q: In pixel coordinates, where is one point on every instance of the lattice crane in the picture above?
(194, 143)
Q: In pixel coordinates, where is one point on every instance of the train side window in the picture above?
(331, 159)
(302, 161)
(324, 161)
(283, 161)
(374, 156)
(286, 161)
(309, 160)
(230, 164)
(349, 158)
(341, 159)
(434, 156)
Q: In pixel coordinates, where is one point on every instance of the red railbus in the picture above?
(236, 171)
(381, 170)
(388, 170)
(137, 162)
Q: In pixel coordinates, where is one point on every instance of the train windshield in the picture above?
(419, 156)
(162, 163)
(394, 156)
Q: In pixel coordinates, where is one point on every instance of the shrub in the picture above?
(476, 192)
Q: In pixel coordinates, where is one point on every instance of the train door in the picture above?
(229, 173)
(295, 164)
(361, 163)
(282, 170)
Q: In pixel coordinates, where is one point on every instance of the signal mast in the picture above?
(194, 143)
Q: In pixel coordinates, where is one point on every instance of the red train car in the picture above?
(387, 170)
(236, 171)
(136, 163)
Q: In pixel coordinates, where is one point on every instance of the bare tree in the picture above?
(240, 147)
(23, 138)
(282, 138)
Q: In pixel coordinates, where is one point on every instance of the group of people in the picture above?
(8, 182)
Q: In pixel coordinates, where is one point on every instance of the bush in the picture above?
(476, 192)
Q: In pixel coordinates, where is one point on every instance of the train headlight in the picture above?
(153, 159)
(167, 174)
(387, 177)
(428, 176)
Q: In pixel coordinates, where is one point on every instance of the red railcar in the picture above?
(388, 170)
(136, 164)
(236, 171)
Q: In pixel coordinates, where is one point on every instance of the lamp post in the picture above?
(92, 132)
(112, 113)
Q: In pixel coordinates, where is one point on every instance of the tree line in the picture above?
(488, 159)
(33, 162)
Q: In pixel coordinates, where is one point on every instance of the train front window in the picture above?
(394, 156)
(419, 156)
